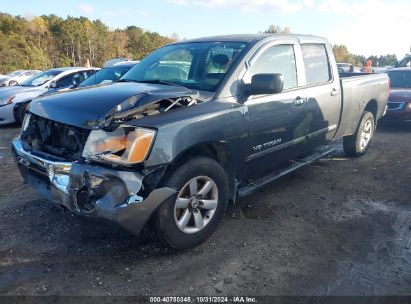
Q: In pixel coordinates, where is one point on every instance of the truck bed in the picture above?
(347, 74)
(357, 90)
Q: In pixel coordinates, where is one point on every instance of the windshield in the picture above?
(106, 75)
(40, 79)
(400, 79)
(405, 62)
(201, 66)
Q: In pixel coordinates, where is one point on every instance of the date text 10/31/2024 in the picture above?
(222, 299)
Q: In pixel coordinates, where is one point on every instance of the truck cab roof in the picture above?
(253, 38)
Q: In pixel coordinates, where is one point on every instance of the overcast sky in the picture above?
(368, 27)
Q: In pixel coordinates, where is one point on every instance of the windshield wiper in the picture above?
(155, 81)
(127, 80)
(158, 81)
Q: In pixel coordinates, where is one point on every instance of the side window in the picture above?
(71, 80)
(89, 73)
(317, 66)
(65, 82)
(277, 59)
(219, 60)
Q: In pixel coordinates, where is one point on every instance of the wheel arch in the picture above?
(18, 106)
(372, 106)
(217, 151)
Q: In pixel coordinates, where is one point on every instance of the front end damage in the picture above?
(51, 157)
(90, 190)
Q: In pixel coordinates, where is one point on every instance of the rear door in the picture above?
(320, 88)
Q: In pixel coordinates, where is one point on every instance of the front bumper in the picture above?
(90, 190)
(397, 116)
(398, 111)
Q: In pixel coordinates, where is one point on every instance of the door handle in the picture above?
(299, 101)
(335, 92)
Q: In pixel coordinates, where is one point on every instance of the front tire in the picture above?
(358, 143)
(194, 215)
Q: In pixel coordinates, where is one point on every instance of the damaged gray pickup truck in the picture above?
(193, 126)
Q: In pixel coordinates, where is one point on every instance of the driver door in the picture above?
(276, 121)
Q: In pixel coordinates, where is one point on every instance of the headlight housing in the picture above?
(126, 145)
(6, 100)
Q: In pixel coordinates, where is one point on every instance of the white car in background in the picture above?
(17, 77)
(14, 100)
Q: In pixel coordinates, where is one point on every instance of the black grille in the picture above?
(55, 138)
(394, 105)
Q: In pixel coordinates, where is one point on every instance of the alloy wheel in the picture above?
(196, 204)
(366, 134)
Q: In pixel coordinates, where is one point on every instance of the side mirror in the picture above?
(53, 85)
(265, 84)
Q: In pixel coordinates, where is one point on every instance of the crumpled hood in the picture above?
(400, 94)
(89, 107)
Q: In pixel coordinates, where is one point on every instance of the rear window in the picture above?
(317, 67)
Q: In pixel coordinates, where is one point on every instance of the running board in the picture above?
(263, 181)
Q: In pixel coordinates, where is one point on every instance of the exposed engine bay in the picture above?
(42, 135)
(67, 142)
(127, 111)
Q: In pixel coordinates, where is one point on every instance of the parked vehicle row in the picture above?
(404, 62)
(15, 100)
(17, 77)
(399, 102)
(109, 74)
(347, 68)
(194, 125)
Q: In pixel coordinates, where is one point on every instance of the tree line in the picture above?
(49, 41)
(341, 52)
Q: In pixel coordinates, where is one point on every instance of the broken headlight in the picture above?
(126, 145)
(26, 122)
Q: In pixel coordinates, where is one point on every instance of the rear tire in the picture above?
(189, 219)
(358, 143)
(13, 83)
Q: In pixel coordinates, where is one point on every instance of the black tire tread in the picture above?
(351, 143)
(172, 179)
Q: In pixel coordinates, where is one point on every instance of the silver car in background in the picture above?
(15, 99)
(17, 77)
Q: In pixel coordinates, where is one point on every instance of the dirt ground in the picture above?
(337, 227)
